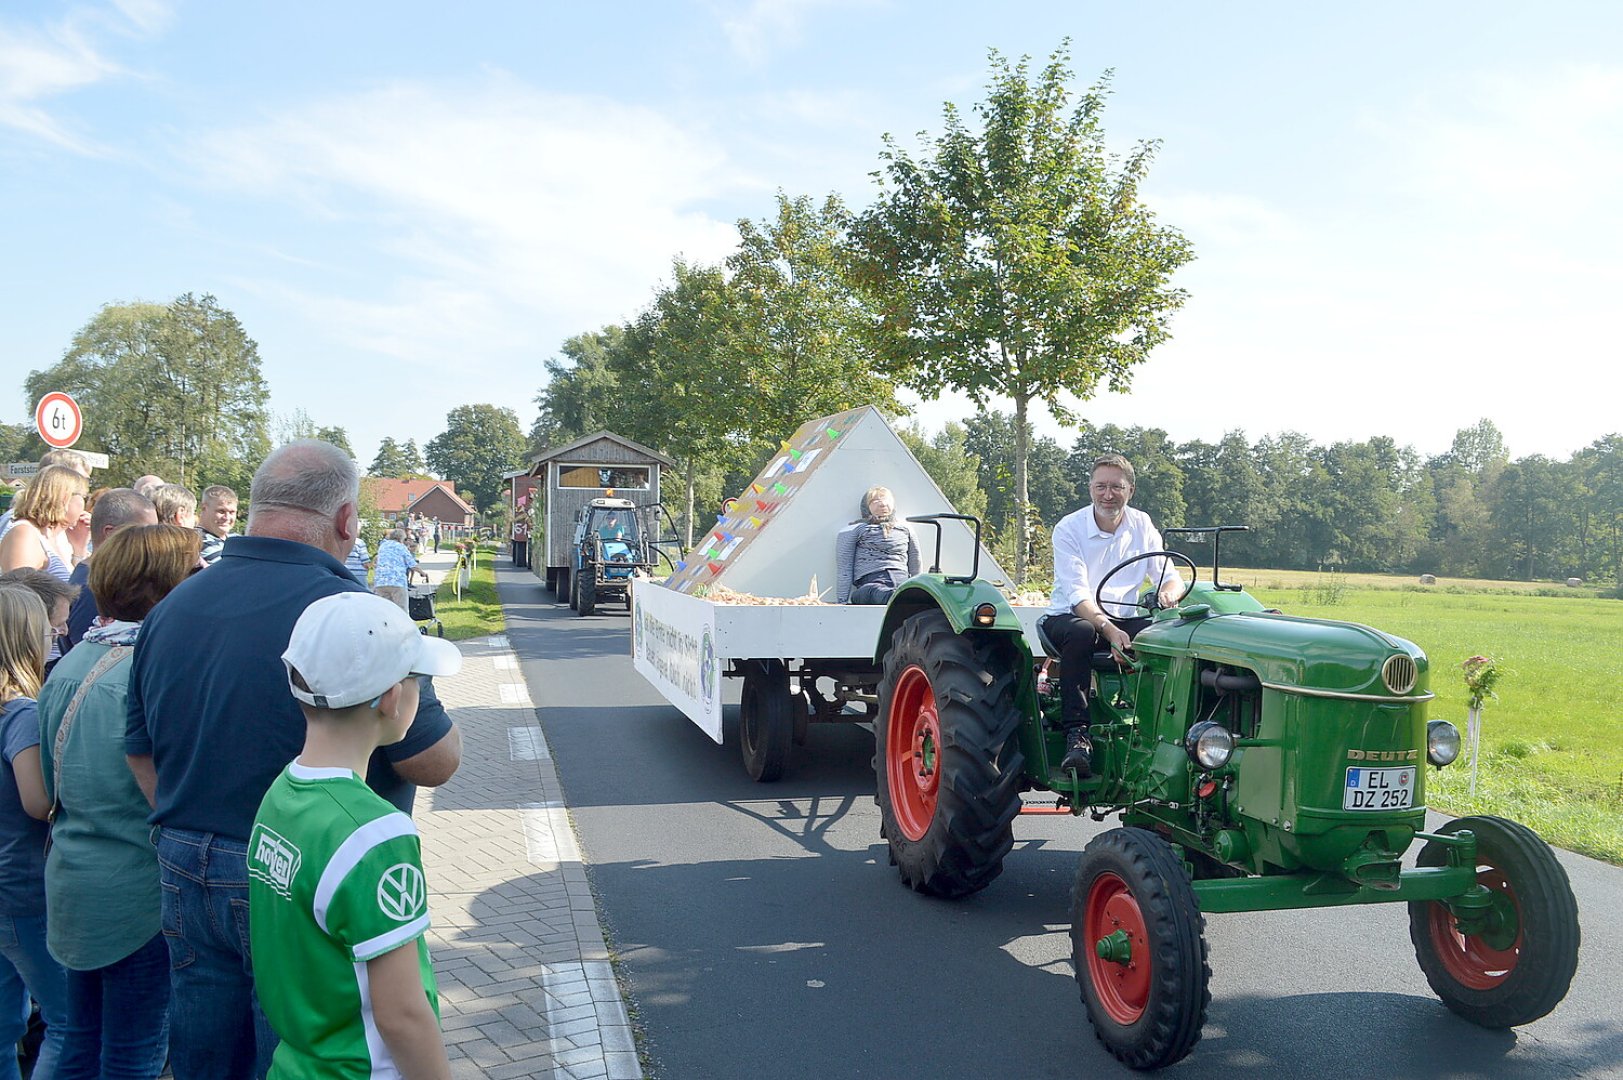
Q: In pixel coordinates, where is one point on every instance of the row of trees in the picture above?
(1370, 506)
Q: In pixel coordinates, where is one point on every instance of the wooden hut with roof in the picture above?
(570, 476)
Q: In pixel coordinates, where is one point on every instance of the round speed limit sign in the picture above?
(58, 420)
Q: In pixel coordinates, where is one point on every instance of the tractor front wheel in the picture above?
(1519, 960)
(947, 757)
(1138, 944)
(586, 591)
(766, 722)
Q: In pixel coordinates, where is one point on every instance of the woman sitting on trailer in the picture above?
(875, 553)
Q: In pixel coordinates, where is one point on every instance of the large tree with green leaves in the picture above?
(478, 445)
(399, 460)
(581, 393)
(797, 332)
(678, 391)
(1015, 258)
(172, 389)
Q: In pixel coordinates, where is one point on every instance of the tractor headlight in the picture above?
(1442, 742)
(1210, 744)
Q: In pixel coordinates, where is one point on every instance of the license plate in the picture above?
(1379, 789)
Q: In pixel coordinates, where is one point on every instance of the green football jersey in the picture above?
(335, 879)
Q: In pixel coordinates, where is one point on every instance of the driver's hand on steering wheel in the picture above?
(1169, 594)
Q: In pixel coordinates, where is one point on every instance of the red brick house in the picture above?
(398, 500)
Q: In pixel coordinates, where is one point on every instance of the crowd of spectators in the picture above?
(143, 721)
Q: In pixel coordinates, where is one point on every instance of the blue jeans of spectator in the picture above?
(119, 1018)
(27, 968)
(216, 1029)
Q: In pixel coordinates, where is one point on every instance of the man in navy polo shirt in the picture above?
(211, 724)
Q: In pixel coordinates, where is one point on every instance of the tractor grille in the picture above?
(1399, 674)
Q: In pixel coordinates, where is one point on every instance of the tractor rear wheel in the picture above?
(586, 591)
(1138, 944)
(566, 587)
(766, 722)
(1519, 967)
(947, 756)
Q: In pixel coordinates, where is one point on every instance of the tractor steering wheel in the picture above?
(1152, 603)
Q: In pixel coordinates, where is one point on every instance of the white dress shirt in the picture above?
(1084, 553)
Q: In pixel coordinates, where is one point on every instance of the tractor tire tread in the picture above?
(1551, 934)
(978, 796)
(765, 709)
(1173, 1020)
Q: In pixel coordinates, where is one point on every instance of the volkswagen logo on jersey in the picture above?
(402, 894)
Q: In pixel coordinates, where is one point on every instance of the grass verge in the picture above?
(479, 612)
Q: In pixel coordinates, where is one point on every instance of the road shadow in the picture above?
(771, 975)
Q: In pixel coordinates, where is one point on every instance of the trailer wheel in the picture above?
(1520, 967)
(765, 719)
(566, 586)
(947, 761)
(586, 591)
(1138, 945)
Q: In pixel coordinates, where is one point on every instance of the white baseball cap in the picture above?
(353, 646)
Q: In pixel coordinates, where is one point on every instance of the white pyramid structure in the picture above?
(777, 538)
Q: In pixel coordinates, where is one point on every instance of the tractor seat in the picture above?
(1099, 661)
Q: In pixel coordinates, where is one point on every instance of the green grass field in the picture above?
(1552, 745)
(479, 612)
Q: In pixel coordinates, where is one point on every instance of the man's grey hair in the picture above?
(1114, 461)
(397, 535)
(308, 475)
(170, 499)
(116, 508)
(70, 458)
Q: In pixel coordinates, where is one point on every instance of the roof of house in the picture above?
(396, 496)
(584, 440)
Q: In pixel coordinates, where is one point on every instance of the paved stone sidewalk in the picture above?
(525, 985)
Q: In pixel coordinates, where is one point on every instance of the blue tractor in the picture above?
(611, 544)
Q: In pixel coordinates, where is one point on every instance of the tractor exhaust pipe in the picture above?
(1230, 684)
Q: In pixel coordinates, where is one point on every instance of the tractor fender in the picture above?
(957, 600)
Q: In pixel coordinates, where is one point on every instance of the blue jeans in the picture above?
(119, 1018)
(216, 1028)
(29, 969)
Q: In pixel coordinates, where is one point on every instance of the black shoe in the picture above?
(1078, 753)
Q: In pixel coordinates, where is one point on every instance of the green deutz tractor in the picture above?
(1257, 761)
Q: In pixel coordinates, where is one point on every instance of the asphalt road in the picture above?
(764, 934)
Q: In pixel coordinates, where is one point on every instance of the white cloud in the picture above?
(542, 203)
(41, 63)
(761, 27)
(1549, 139)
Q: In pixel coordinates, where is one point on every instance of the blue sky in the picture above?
(1404, 214)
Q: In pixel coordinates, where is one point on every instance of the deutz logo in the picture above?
(1383, 755)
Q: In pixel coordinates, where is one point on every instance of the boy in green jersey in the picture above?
(337, 902)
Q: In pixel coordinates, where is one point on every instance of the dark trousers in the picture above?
(875, 588)
(521, 553)
(1078, 641)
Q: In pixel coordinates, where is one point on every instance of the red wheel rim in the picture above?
(1471, 961)
(913, 753)
(1123, 989)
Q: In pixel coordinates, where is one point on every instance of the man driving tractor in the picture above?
(1087, 543)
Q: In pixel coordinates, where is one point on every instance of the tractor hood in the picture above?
(1317, 657)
